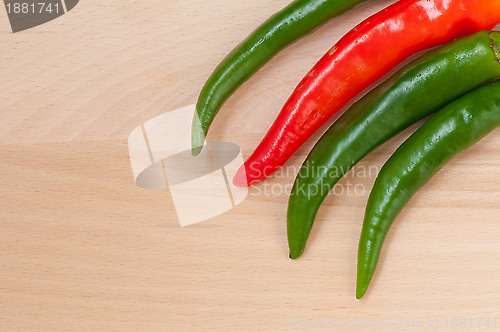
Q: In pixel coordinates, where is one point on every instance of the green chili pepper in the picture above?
(452, 130)
(286, 26)
(417, 90)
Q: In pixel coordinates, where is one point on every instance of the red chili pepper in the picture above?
(359, 59)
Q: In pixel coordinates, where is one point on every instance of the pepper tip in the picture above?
(295, 253)
(361, 287)
(240, 178)
(360, 293)
(197, 137)
(195, 150)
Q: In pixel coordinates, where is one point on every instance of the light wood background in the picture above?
(82, 248)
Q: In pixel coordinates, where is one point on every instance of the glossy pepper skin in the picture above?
(280, 30)
(359, 59)
(452, 130)
(415, 91)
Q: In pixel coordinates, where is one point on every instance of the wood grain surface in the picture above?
(82, 248)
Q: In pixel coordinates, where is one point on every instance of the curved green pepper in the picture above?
(452, 130)
(417, 90)
(283, 28)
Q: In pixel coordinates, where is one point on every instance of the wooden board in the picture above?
(82, 248)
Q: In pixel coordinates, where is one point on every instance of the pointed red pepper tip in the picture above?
(240, 178)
